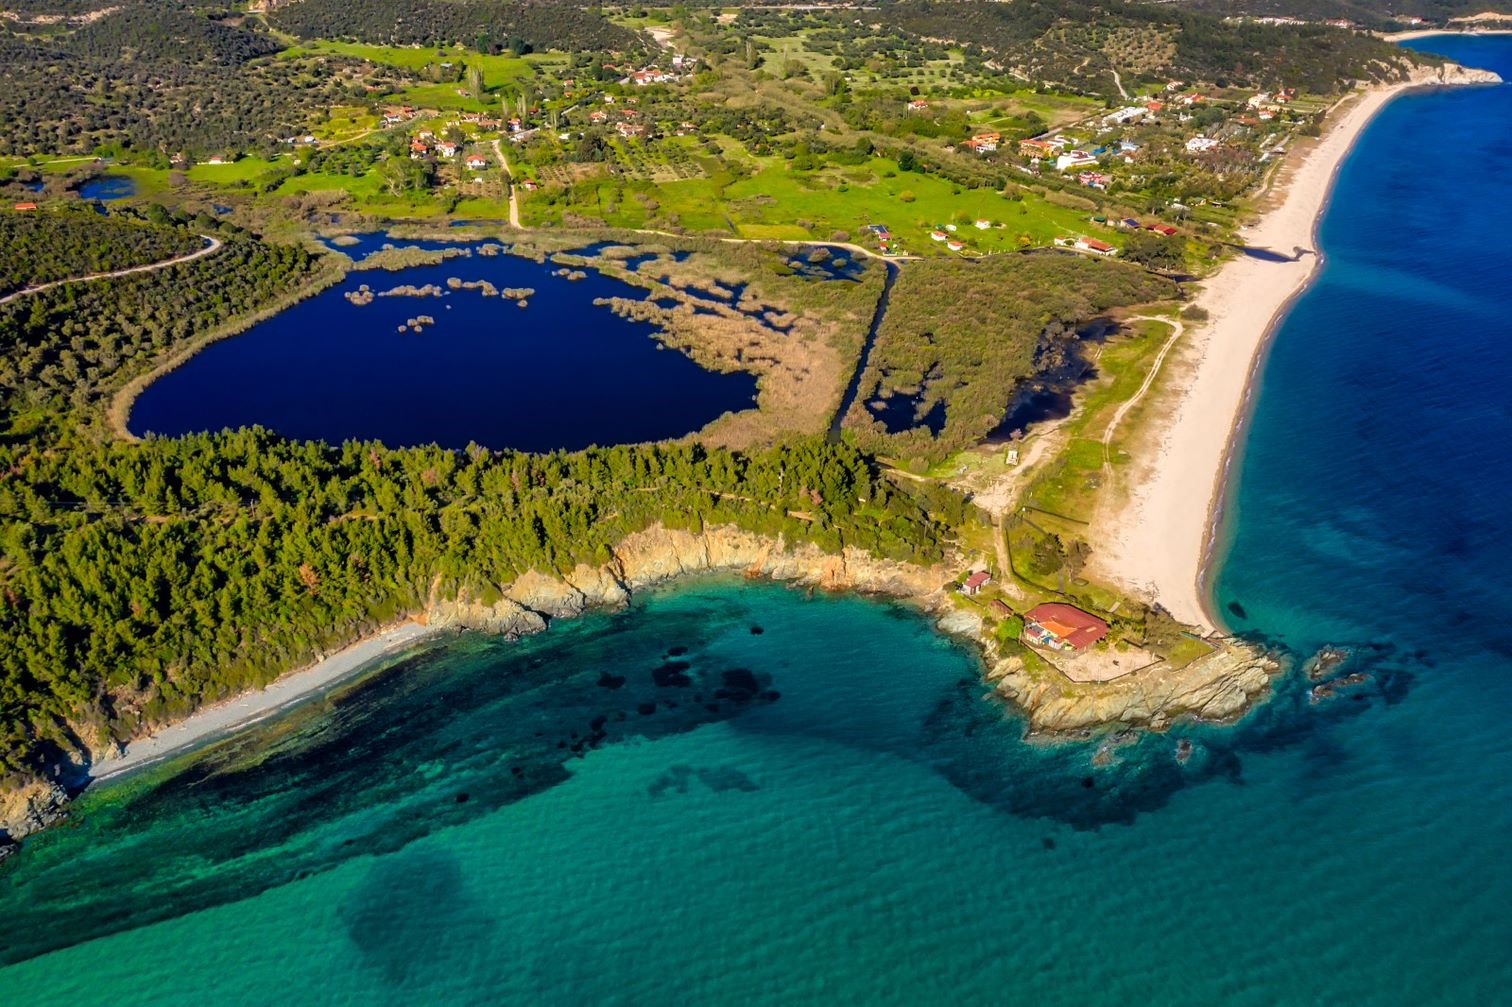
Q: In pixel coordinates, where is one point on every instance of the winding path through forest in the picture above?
(211, 245)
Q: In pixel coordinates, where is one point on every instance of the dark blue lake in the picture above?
(108, 187)
(560, 373)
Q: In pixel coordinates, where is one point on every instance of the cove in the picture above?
(561, 373)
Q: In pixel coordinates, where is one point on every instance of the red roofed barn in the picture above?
(1062, 627)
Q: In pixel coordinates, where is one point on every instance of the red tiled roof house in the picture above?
(1062, 627)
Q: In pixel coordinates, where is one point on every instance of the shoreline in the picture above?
(1163, 541)
(1417, 33)
(244, 709)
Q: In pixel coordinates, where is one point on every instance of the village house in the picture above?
(1200, 144)
(418, 149)
(984, 143)
(983, 224)
(630, 129)
(938, 235)
(1062, 627)
(974, 584)
(1164, 229)
(446, 149)
(477, 162)
(598, 115)
(22, 207)
(651, 75)
(1124, 116)
(955, 246)
(1094, 246)
(1037, 149)
(1093, 180)
(917, 106)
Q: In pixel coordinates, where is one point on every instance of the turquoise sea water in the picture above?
(852, 822)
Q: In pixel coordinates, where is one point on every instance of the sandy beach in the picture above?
(1157, 543)
(248, 708)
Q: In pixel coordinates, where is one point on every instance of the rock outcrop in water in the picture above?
(1453, 74)
(27, 809)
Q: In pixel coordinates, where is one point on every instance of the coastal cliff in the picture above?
(659, 554)
(1218, 687)
(1452, 74)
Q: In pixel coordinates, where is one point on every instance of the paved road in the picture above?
(212, 245)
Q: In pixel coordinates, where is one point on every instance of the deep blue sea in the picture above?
(559, 373)
(735, 793)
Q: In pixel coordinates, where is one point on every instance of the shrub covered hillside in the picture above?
(42, 247)
(152, 76)
(63, 348)
(1079, 43)
(487, 25)
(139, 581)
(960, 337)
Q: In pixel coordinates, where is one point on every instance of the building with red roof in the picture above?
(976, 582)
(1062, 627)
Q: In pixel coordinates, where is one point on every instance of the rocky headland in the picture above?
(1218, 687)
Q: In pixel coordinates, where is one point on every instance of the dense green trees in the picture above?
(58, 244)
(489, 25)
(1068, 42)
(157, 78)
(61, 347)
(1157, 251)
(140, 580)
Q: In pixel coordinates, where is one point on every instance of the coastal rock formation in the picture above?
(659, 554)
(1452, 74)
(30, 808)
(1218, 687)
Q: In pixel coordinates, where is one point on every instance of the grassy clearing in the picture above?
(817, 204)
(242, 170)
(497, 70)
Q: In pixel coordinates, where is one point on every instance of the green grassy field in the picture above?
(818, 204)
(241, 170)
(497, 70)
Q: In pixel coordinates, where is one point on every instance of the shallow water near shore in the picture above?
(854, 823)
